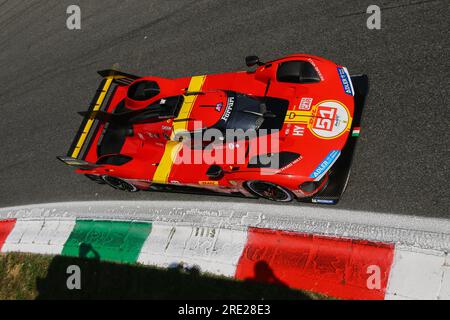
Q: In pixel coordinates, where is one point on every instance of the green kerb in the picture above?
(107, 240)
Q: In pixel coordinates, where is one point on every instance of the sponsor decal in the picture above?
(166, 128)
(298, 131)
(305, 104)
(345, 80)
(288, 129)
(315, 67)
(327, 201)
(330, 119)
(326, 164)
(162, 101)
(209, 183)
(153, 135)
(290, 164)
(219, 107)
(228, 109)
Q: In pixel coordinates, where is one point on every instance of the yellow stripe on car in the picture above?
(165, 165)
(294, 116)
(87, 127)
(172, 148)
(195, 85)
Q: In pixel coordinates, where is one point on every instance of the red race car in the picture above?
(285, 129)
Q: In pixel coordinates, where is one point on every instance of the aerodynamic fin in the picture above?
(102, 116)
(120, 78)
(80, 164)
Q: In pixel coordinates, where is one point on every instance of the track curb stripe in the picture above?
(213, 250)
(38, 236)
(332, 266)
(119, 241)
(6, 226)
(335, 266)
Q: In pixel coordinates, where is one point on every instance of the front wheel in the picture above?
(119, 184)
(269, 191)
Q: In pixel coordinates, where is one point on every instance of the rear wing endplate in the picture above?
(79, 164)
(101, 100)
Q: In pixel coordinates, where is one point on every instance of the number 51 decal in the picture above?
(325, 118)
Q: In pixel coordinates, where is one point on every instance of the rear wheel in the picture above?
(120, 184)
(269, 191)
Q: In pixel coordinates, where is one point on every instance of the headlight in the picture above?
(309, 186)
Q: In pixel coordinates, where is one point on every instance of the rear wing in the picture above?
(90, 125)
(340, 171)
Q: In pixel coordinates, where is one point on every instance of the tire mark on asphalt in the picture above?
(12, 36)
(3, 3)
(5, 12)
(389, 8)
(44, 77)
(133, 34)
(18, 14)
(13, 165)
(8, 91)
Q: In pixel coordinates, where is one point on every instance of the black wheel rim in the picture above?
(269, 191)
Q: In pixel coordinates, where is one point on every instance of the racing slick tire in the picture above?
(268, 190)
(119, 184)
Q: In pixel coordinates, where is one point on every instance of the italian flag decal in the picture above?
(118, 241)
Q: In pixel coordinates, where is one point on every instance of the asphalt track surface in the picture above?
(48, 73)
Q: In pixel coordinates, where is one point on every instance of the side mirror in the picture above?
(215, 172)
(250, 61)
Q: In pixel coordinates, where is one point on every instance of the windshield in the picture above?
(246, 112)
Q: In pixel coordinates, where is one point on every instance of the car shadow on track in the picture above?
(108, 280)
(264, 274)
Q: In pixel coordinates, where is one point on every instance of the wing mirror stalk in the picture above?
(215, 172)
(251, 61)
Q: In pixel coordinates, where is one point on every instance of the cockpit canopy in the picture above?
(143, 90)
(244, 112)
